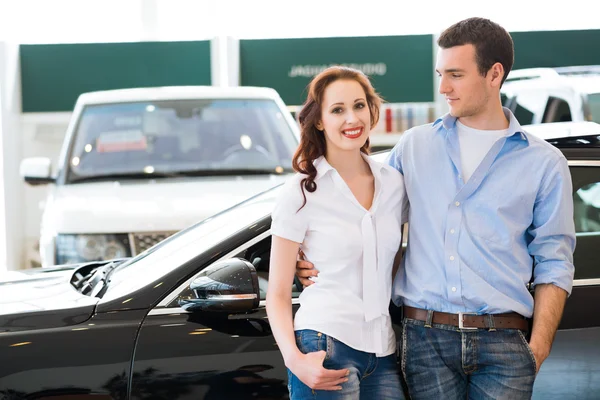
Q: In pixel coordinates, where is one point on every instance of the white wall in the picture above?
(12, 210)
(69, 21)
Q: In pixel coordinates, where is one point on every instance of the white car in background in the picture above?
(138, 165)
(546, 95)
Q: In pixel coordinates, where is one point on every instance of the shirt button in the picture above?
(453, 289)
(451, 230)
(457, 203)
(451, 258)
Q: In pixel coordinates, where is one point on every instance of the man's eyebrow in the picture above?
(450, 70)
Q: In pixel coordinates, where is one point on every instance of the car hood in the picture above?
(41, 298)
(147, 205)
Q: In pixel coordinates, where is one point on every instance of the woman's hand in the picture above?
(309, 369)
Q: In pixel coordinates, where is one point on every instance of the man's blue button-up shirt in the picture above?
(472, 246)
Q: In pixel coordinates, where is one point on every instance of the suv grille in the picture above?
(142, 241)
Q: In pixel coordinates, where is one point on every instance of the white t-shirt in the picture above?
(474, 145)
(353, 249)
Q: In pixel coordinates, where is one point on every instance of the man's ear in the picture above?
(497, 72)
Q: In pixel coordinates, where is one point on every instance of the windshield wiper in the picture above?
(106, 273)
(125, 175)
(235, 171)
(183, 173)
(95, 284)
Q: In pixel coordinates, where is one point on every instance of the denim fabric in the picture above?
(443, 362)
(370, 377)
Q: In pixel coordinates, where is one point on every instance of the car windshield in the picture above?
(594, 103)
(178, 137)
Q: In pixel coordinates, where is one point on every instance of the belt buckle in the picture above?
(461, 322)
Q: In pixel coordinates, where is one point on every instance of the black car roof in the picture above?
(578, 147)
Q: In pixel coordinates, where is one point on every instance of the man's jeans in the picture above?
(443, 362)
(370, 377)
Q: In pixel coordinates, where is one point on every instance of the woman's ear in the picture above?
(319, 126)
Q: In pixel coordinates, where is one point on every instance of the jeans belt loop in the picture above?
(490, 323)
(428, 321)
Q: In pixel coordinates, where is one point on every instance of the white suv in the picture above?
(540, 95)
(137, 165)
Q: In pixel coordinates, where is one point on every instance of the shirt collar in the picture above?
(323, 167)
(514, 128)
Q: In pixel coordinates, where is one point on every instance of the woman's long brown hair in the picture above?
(312, 141)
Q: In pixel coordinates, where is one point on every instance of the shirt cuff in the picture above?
(559, 274)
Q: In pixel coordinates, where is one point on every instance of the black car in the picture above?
(186, 319)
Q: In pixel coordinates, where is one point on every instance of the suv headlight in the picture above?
(83, 248)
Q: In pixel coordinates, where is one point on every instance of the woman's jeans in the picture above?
(370, 377)
(443, 362)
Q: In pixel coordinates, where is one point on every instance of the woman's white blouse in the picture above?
(352, 248)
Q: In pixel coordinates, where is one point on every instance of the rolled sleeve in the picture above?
(553, 230)
(288, 220)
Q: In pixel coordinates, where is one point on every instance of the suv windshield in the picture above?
(179, 137)
(594, 103)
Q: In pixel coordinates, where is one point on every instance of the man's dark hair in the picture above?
(491, 41)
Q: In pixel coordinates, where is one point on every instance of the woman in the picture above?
(343, 211)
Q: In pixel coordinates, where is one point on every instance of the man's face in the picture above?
(467, 92)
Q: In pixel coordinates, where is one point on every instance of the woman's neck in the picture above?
(348, 163)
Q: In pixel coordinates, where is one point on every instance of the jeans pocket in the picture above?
(310, 341)
(299, 343)
(529, 351)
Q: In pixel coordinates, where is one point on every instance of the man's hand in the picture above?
(304, 270)
(547, 312)
(540, 353)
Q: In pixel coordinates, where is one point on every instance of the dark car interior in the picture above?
(259, 256)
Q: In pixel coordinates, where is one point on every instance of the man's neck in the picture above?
(488, 120)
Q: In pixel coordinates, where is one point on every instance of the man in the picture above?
(490, 207)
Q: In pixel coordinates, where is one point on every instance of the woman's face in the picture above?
(345, 116)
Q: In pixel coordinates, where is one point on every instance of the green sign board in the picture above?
(556, 48)
(401, 67)
(53, 76)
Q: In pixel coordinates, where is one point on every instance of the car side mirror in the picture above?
(36, 171)
(229, 286)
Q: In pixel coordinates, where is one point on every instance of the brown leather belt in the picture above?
(468, 320)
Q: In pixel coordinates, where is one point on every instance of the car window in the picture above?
(259, 255)
(557, 110)
(594, 107)
(586, 204)
(527, 104)
(176, 136)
